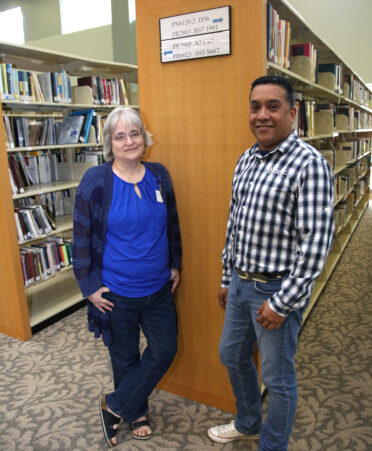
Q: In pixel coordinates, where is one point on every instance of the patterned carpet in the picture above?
(49, 386)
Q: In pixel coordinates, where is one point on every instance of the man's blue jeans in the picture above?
(277, 349)
(135, 377)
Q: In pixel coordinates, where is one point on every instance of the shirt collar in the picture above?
(282, 147)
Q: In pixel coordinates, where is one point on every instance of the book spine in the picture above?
(10, 81)
(16, 85)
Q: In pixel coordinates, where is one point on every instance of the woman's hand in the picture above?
(222, 297)
(175, 277)
(101, 303)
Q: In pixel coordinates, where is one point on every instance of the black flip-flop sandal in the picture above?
(108, 421)
(138, 424)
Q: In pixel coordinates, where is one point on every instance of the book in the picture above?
(123, 93)
(304, 60)
(331, 76)
(12, 182)
(18, 179)
(324, 118)
(70, 129)
(8, 132)
(82, 95)
(10, 81)
(46, 86)
(93, 84)
(305, 49)
(88, 117)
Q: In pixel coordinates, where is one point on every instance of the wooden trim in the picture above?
(14, 319)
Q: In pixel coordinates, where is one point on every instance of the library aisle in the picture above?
(50, 384)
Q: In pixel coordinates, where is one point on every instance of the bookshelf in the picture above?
(198, 111)
(23, 307)
(301, 32)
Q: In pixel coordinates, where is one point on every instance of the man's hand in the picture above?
(222, 297)
(268, 318)
(101, 303)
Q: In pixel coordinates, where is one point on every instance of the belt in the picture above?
(262, 277)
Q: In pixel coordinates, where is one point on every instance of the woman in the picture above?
(127, 257)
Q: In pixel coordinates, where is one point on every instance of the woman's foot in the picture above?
(110, 422)
(140, 429)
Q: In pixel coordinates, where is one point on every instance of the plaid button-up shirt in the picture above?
(281, 219)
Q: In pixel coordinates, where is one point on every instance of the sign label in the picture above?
(195, 35)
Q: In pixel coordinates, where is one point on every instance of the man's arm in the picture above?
(315, 230)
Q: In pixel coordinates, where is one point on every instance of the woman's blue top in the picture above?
(136, 254)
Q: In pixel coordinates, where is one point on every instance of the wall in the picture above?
(94, 43)
(345, 25)
(42, 27)
(41, 18)
(123, 33)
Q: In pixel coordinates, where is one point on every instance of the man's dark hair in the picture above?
(276, 80)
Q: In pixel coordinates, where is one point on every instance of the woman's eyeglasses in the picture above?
(121, 137)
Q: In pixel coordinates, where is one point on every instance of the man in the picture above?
(279, 232)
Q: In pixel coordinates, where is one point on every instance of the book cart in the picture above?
(198, 110)
(27, 303)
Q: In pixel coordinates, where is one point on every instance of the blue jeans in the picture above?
(135, 377)
(277, 349)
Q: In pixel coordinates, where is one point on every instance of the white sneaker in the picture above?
(228, 433)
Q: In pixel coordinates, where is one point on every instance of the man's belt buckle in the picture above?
(259, 277)
(252, 276)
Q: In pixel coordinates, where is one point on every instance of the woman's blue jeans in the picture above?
(135, 377)
(277, 349)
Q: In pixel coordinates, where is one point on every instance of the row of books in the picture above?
(104, 91)
(340, 214)
(56, 204)
(82, 127)
(344, 209)
(304, 120)
(43, 259)
(325, 118)
(356, 90)
(89, 156)
(360, 189)
(331, 76)
(79, 127)
(55, 87)
(347, 152)
(38, 167)
(330, 118)
(75, 128)
(278, 38)
(341, 188)
(17, 84)
(303, 59)
(304, 62)
(24, 132)
(32, 222)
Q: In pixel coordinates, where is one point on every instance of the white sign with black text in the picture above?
(195, 35)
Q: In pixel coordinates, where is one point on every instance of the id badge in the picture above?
(158, 196)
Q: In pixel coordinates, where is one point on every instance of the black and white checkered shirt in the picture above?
(281, 219)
